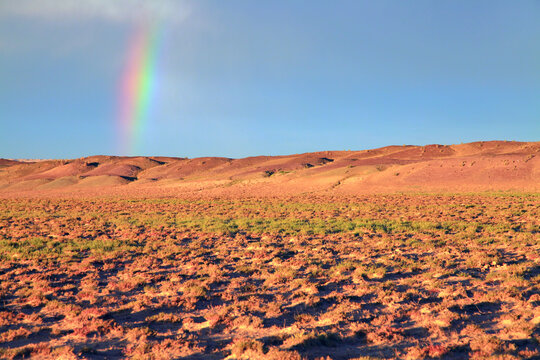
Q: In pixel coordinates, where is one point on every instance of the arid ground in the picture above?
(403, 252)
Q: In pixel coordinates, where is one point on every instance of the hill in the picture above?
(484, 166)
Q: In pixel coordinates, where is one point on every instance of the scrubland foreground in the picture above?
(408, 276)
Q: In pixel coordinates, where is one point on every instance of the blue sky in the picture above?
(239, 78)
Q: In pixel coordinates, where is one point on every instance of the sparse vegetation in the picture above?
(367, 277)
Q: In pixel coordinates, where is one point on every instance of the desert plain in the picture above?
(402, 252)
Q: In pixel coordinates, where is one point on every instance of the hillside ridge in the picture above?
(484, 165)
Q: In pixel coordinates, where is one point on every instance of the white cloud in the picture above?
(110, 10)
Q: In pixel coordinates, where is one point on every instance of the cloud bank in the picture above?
(108, 10)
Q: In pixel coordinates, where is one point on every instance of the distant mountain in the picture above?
(490, 165)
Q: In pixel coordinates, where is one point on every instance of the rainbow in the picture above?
(137, 87)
